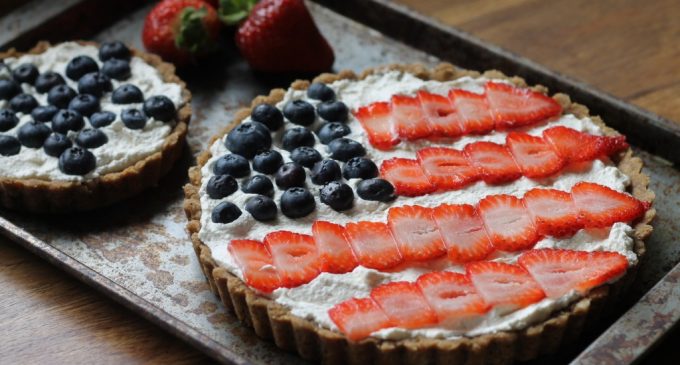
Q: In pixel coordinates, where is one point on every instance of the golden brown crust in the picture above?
(43, 196)
(272, 321)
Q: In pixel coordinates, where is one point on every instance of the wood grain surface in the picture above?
(628, 48)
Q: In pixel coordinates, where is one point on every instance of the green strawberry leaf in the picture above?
(192, 35)
(232, 12)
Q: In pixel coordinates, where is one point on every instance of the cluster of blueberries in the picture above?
(253, 141)
(67, 109)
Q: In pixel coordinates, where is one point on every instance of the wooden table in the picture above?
(627, 48)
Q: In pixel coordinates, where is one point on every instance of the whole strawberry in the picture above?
(181, 31)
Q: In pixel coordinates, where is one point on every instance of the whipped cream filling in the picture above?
(125, 146)
(313, 300)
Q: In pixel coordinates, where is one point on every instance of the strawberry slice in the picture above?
(376, 120)
(335, 253)
(513, 107)
(416, 233)
(294, 256)
(575, 146)
(443, 118)
(507, 222)
(452, 296)
(358, 318)
(553, 212)
(494, 162)
(535, 157)
(408, 118)
(600, 206)
(463, 232)
(256, 264)
(407, 177)
(447, 168)
(473, 110)
(560, 271)
(373, 245)
(404, 304)
(502, 285)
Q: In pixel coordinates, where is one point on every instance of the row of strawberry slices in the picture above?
(413, 233)
(428, 115)
(440, 168)
(449, 299)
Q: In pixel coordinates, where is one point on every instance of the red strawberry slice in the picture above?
(447, 168)
(473, 111)
(335, 253)
(463, 232)
(358, 318)
(256, 264)
(373, 245)
(560, 271)
(600, 206)
(452, 296)
(406, 176)
(494, 162)
(535, 157)
(376, 120)
(553, 212)
(513, 107)
(503, 285)
(294, 256)
(443, 118)
(575, 146)
(416, 233)
(408, 118)
(507, 222)
(404, 305)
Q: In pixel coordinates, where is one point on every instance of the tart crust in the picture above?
(46, 196)
(273, 321)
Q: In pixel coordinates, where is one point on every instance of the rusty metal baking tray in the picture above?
(137, 251)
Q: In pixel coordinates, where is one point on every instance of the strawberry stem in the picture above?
(232, 12)
(192, 35)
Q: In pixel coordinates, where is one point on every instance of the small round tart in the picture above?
(313, 221)
(84, 125)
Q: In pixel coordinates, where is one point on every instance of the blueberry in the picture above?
(344, 148)
(91, 138)
(337, 195)
(127, 94)
(33, 134)
(77, 161)
(94, 83)
(299, 112)
(320, 91)
(258, 184)
(220, 186)
(289, 175)
(297, 202)
(332, 130)
(8, 89)
(102, 119)
(84, 104)
(305, 156)
(44, 113)
(231, 164)
(160, 107)
(113, 49)
(116, 69)
(267, 162)
(23, 103)
(359, 168)
(56, 144)
(67, 120)
(8, 120)
(26, 72)
(335, 111)
(297, 137)
(249, 138)
(9, 145)
(268, 115)
(133, 118)
(225, 212)
(46, 81)
(79, 66)
(262, 208)
(325, 171)
(375, 189)
(60, 96)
